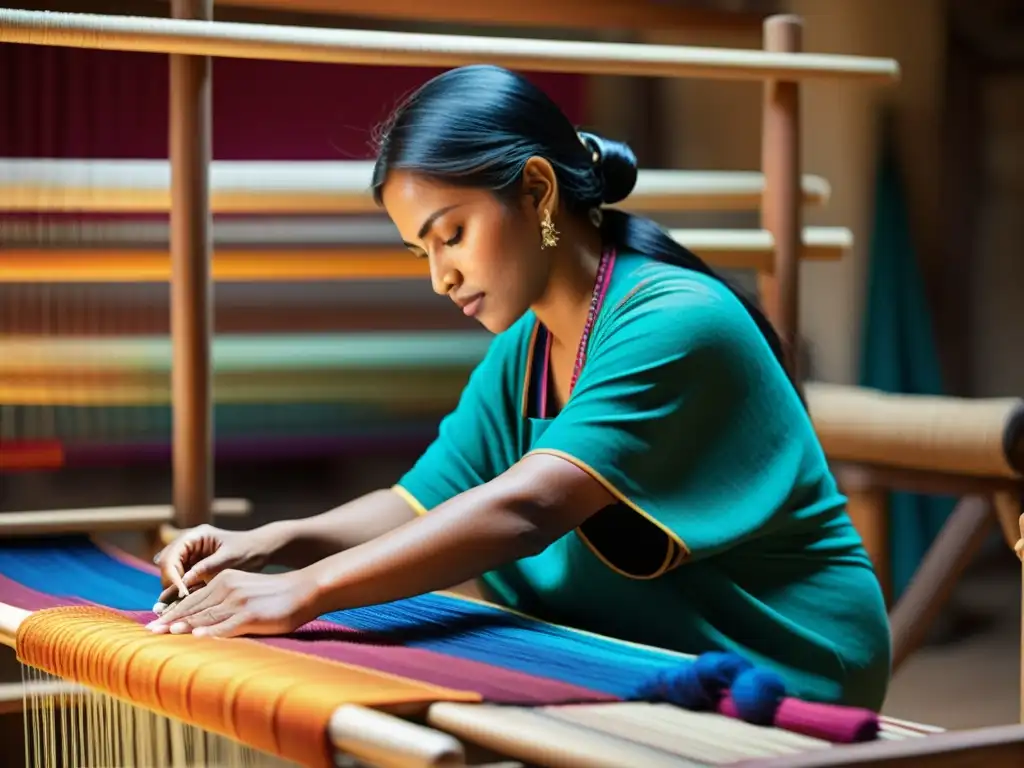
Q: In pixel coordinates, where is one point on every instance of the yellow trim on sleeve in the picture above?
(409, 499)
(524, 404)
(673, 558)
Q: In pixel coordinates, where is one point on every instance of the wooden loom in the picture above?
(190, 257)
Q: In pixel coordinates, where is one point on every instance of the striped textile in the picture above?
(440, 639)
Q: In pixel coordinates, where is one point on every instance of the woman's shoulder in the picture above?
(672, 298)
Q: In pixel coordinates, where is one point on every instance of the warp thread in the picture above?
(273, 700)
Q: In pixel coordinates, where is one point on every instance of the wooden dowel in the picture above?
(944, 563)
(780, 215)
(191, 252)
(324, 187)
(725, 249)
(386, 741)
(955, 435)
(616, 15)
(349, 46)
(98, 519)
(10, 620)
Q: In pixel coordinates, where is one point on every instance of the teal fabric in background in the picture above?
(898, 354)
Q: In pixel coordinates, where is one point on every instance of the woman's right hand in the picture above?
(200, 553)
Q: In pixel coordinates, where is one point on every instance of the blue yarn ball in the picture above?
(718, 670)
(696, 685)
(757, 694)
(680, 685)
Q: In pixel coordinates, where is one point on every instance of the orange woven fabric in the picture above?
(276, 701)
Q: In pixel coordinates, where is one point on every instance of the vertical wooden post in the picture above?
(953, 550)
(1009, 506)
(191, 307)
(781, 206)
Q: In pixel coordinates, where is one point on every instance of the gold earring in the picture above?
(548, 233)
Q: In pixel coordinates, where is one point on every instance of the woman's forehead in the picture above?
(410, 199)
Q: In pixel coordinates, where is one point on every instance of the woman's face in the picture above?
(484, 253)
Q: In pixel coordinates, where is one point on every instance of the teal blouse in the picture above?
(729, 534)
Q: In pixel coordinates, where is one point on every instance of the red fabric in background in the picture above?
(76, 103)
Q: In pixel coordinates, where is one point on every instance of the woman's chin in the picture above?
(494, 328)
(494, 322)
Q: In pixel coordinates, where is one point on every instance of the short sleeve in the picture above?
(475, 441)
(683, 414)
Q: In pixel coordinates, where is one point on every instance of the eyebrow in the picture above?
(429, 222)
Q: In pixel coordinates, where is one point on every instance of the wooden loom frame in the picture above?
(191, 222)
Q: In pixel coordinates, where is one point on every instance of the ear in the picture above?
(540, 185)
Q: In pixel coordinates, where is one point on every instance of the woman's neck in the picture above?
(564, 307)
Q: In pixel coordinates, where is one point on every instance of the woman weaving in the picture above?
(630, 457)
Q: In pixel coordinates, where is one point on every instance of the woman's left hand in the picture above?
(239, 603)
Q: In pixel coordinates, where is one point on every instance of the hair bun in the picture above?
(616, 164)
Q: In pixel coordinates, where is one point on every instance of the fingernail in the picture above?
(179, 628)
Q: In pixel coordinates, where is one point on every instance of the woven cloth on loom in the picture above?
(438, 639)
(453, 644)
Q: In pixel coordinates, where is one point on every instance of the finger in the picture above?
(194, 578)
(213, 614)
(207, 568)
(168, 597)
(186, 607)
(234, 625)
(172, 567)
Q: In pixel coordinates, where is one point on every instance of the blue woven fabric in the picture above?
(75, 567)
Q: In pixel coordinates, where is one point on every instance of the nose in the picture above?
(443, 276)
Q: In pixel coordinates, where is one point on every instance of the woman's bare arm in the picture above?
(516, 515)
(303, 542)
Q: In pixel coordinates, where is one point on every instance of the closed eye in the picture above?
(454, 239)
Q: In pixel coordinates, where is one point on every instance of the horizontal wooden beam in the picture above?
(369, 47)
(98, 519)
(319, 187)
(615, 15)
(725, 249)
(937, 434)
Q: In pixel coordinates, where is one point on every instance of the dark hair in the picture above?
(477, 126)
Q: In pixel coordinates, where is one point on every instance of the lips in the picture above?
(472, 305)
